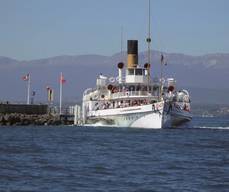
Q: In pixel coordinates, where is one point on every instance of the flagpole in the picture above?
(148, 40)
(61, 89)
(28, 90)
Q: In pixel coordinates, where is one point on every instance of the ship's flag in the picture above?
(62, 80)
(162, 59)
(50, 93)
(163, 62)
(26, 77)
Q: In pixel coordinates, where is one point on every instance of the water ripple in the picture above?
(108, 159)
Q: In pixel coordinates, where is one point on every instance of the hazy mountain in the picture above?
(210, 72)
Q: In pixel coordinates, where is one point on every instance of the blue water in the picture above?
(63, 159)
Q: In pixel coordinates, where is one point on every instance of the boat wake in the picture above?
(208, 127)
(99, 124)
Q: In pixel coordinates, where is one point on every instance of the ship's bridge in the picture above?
(137, 75)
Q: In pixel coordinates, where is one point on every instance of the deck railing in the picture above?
(130, 94)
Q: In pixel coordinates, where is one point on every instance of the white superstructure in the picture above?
(132, 99)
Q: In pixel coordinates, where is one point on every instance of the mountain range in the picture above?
(206, 76)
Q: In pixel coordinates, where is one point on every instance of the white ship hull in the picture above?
(145, 120)
(151, 116)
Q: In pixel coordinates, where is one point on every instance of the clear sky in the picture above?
(32, 29)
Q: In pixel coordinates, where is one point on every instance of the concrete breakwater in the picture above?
(23, 109)
(24, 119)
(19, 114)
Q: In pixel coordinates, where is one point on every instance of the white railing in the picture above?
(130, 94)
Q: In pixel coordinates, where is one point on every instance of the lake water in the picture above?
(63, 159)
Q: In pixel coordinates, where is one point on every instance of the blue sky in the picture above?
(32, 29)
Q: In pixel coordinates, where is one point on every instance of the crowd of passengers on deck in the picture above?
(115, 89)
(120, 104)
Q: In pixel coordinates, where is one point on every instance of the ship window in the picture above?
(138, 72)
(132, 88)
(144, 88)
(130, 71)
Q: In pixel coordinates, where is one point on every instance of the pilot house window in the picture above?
(138, 72)
(130, 71)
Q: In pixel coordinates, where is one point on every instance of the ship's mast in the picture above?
(161, 78)
(122, 55)
(148, 40)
